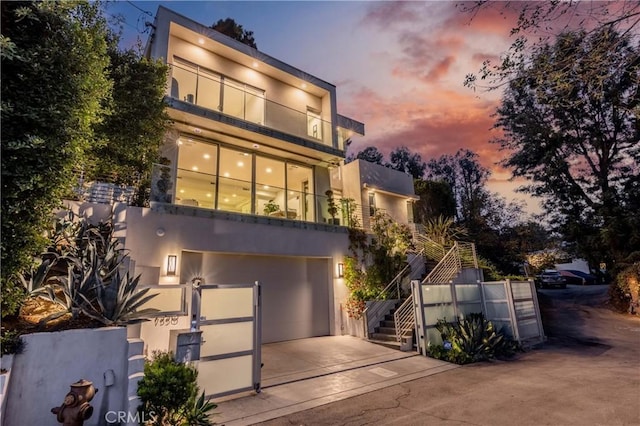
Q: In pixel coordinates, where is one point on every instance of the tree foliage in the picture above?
(467, 179)
(52, 97)
(70, 101)
(436, 199)
(371, 155)
(134, 130)
(231, 28)
(405, 161)
(539, 23)
(571, 128)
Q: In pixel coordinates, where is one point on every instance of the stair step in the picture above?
(391, 324)
(384, 337)
(389, 317)
(386, 343)
(386, 330)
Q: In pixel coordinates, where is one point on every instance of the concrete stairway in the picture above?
(385, 333)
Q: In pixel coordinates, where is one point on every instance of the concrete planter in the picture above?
(50, 362)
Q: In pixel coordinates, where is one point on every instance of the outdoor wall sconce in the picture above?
(340, 270)
(172, 264)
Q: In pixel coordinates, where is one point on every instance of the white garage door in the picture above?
(295, 291)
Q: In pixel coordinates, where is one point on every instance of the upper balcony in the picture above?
(224, 87)
(192, 84)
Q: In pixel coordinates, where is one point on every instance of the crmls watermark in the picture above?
(123, 417)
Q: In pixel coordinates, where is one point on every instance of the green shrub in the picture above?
(625, 291)
(169, 394)
(11, 342)
(471, 339)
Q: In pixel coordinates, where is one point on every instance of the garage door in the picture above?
(295, 291)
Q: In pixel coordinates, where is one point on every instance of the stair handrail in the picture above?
(432, 249)
(395, 282)
(404, 319)
(446, 269)
(397, 279)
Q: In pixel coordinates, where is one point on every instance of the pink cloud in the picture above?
(386, 14)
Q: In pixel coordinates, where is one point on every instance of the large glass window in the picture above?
(184, 81)
(208, 89)
(300, 197)
(270, 188)
(223, 178)
(209, 95)
(314, 124)
(196, 173)
(234, 192)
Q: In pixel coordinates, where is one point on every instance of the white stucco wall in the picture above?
(186, 236)
(392, 189)
(41, 376)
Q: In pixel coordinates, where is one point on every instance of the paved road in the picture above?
(588, 373)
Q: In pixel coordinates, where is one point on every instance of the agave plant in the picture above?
(118, 301)
(71, 291)
(39, 276)
(200, 412)
(471, 339)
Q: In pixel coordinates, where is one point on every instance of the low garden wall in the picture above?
(50, 362)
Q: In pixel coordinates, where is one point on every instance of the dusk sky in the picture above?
(399, 67)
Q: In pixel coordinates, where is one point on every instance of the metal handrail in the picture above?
(432, 249)
(404, 319)
(398, 278)
(446, 269)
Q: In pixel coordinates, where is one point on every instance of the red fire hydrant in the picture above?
(75, 408)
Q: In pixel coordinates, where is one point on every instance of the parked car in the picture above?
(550, 278)
(578, 277)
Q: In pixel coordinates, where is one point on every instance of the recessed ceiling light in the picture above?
(290, 192)
(206, 156)
(182, 191)
(194, 168)
(234, 195)
(226, 174)
(303, 85)
(197, 130)
(245, 154)
(269, 170)
(255, 64)
(265, 187)
(179, 142)
(226, 200)
(201, 40)
(240, 164)
(209, 195)
(256, 146)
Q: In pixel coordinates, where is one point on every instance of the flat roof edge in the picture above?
(192, 25)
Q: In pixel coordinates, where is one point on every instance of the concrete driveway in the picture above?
(588, 373)
(306, 373)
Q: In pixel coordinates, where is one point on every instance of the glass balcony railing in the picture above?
(209, 191)
(238, 100)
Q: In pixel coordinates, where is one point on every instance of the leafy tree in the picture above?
(539, 23)
(134, 130)
(230, 28)
(370, 154)
(574, 136)
(54, 84)
(467, 179)
(403, 160)
(436, 199)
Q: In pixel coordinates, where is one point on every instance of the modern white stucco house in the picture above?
(241, 194)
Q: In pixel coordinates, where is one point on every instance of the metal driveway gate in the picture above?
(229, 318)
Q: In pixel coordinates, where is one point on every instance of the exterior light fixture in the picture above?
(340, 270)
(172, 264)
